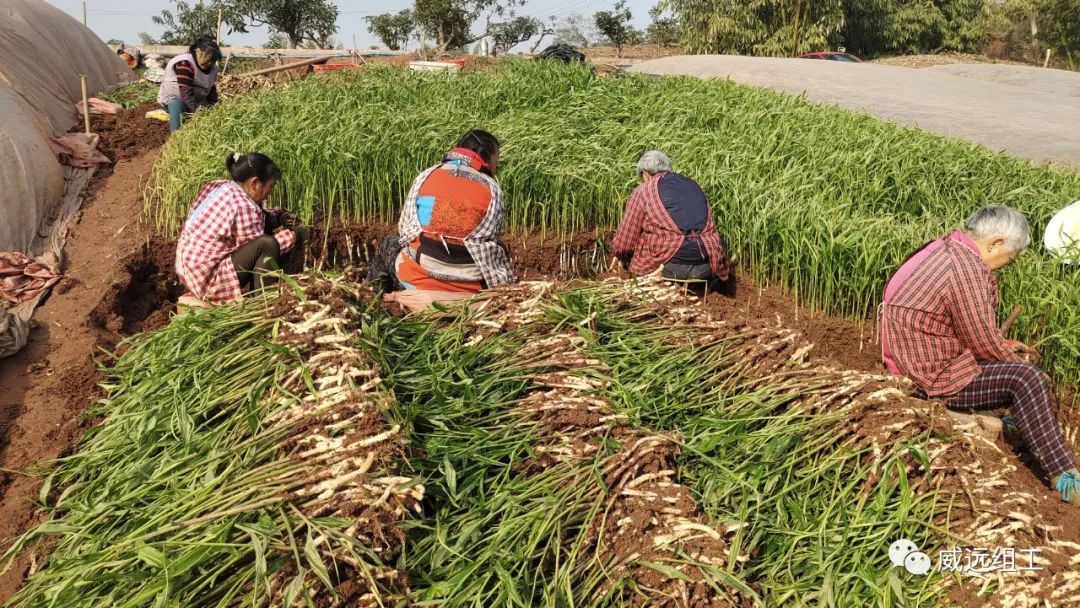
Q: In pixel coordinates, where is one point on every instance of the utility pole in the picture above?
(84, 14)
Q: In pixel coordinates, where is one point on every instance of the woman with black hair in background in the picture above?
(190, 81)
(229, 242)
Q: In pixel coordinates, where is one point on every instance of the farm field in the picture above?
(816, 199)
(578, 439)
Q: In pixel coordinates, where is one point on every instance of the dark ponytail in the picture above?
(481, 142)
(243, 167)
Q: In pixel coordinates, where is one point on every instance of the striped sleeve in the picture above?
(971, 304)
(626, 237)
(185, 80)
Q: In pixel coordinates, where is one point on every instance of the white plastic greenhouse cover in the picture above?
(43, 50)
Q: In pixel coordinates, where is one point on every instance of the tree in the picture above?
(449, 22)
(891, 27)
(545, 31)
(508, 34)
(1038, 25)
(114, 41)
(188, 22)
(572, 30)
(968, 25)
(664, 30)
(146, 39)
(277, 40)
(299, 20)
(1061, 27)
(393, 29)
(759, 27)
(614, 25)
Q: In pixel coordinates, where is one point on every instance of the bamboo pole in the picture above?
(289, 66)
(218, 38)
(85, 104)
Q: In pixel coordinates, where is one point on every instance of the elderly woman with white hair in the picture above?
(668, 224)
(938, 328)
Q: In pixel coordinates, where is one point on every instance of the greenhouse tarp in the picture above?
(43, 51)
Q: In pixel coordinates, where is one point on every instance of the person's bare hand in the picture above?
(1026, 352)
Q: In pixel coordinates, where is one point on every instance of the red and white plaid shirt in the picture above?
(651, 237)
(222, 219)
(937, 317)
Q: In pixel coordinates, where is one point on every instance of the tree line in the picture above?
(873, 28)
(450, 24)
(870, 28)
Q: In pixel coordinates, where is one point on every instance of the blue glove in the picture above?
(1068, 486)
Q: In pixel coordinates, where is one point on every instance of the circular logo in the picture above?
(917, 563)
(900, 550)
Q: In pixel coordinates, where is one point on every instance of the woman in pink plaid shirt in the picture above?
(938, 328)
(229, 242)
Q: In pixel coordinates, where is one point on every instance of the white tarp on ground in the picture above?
(43, 50)
(1029, 112)
(1062, 83)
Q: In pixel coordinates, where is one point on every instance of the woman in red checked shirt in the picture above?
(229, 242)
(938, 328)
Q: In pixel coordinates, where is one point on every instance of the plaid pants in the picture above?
(1023, 389)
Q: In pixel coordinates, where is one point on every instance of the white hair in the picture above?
(1000, 221)
(653, 161)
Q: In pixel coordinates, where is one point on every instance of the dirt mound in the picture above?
(129, 133)
(926, 61)
(142, 302)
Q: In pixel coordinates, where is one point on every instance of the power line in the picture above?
(569, 8)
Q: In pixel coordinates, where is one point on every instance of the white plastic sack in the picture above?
(1062, 236)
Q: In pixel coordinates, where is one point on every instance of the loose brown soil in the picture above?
(130, 134)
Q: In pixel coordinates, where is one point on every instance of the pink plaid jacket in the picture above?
(937, 317)
(222, 219)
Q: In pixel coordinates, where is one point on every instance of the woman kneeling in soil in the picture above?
(938, 329)
(668, 225)
(229, 242)
(448, 245)
(190, 81)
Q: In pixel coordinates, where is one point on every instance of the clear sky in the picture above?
(124, 19)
